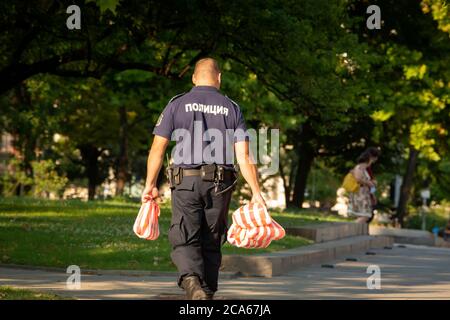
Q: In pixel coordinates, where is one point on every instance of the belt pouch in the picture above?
(208, 172)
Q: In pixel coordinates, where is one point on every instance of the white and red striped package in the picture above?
(146, 224)
(253, 227)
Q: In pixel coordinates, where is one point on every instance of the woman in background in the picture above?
(361, 202)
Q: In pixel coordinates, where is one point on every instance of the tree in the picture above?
(409, 71)
(35, 40)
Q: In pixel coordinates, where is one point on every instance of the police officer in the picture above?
(202, 175)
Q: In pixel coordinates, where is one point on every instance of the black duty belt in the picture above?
(191, 172)
(208, 172)
(228, 174)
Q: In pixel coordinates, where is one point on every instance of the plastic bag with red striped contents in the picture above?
(146, 224)
(253, 227)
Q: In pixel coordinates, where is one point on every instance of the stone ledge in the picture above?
(405, 236)
(277, 263)
(329, 231)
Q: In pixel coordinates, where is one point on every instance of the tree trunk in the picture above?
(306, 158)
(122, 166)
(90, 155)
(26, 138)
(405, 189)
(294, 167)
(286, 185)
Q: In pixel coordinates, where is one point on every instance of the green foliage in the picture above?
(322, 184)
(436, 217)
(46, 179)
(440, 11)
(105, 5)
(409, 77)
(14, 177)
(310, 68)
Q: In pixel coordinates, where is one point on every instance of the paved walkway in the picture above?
(413, 272)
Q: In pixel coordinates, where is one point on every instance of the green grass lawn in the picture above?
(99, 235)
(8, 293)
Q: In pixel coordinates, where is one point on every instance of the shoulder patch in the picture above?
(158, 122)
(177, 96)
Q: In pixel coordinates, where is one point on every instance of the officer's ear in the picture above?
(194, 80)
(219, 78)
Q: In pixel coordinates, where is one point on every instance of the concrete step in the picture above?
(329, 231)
(277, 263)
(406, 236)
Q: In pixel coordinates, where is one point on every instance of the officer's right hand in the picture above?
(258, 198)
(150, 190)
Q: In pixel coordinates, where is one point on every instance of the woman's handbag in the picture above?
(350, 183)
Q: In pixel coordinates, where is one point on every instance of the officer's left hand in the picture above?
(150, 190)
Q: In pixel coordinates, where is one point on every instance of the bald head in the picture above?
(206, 73)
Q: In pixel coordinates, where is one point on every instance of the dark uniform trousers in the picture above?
(198, 229)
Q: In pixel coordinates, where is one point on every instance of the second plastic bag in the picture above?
(253, 227)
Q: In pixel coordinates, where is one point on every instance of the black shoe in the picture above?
(210, 296)
(194, 291)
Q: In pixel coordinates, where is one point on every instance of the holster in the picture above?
(221, 177)
(177, 175)
(174, 176)
(170, 177)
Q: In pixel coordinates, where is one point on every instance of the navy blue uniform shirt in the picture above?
(205, 124)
